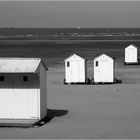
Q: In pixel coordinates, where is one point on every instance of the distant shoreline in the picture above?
(28, 41)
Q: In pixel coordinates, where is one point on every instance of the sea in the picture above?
(44, 31)
(54, 51)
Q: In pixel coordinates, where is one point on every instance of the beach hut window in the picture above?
(1, 78)
(96, 63)
(25, 78)
(68, 64)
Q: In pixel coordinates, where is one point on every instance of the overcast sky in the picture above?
(58, 14)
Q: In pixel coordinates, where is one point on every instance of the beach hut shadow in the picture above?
(51, 113)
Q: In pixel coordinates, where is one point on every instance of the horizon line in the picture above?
(69, 0)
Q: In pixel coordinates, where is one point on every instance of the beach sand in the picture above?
(87, 111)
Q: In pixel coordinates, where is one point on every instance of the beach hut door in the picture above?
(133, 55)
(104, 70)
(74, 71)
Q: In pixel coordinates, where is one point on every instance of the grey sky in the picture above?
(57, 14)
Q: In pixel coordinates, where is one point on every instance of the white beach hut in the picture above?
(23, 90)
(75, 69)
(131, 54)
(103, 69)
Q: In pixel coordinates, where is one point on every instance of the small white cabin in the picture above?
(103, 69)
(75, 69)
(23, 90)
(131, 54)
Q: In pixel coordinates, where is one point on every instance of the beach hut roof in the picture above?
(132, 45)
(74, 55)
(103, 55)
(19, 65)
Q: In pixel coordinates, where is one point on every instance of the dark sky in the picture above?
(58, 14)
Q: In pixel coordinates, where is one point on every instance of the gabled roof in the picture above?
(132, 45)
(19, 65)
(73, 56)
(102, 55)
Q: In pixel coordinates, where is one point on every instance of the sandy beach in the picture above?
(53, 30)
(83, 111)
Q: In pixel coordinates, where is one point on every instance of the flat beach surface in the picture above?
(83, 111)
